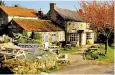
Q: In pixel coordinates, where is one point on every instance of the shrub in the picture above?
(47, 63)
(36, 36)
(50, 69)
(88, 56)
(31, 66)
(89, 42)
(73, 44)
(6, 40)
(55, 43)
(22, 40)
(59, 44)
(92, 55)
(24, 33)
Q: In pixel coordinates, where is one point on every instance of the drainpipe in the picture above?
(66, 38)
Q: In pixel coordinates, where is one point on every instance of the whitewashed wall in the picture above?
(93, 37)
(83, 41)
(74, 26)
(17, 17)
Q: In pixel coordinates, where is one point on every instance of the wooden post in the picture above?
(5, 58)
(106, 46)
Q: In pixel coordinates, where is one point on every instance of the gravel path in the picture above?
(86, 69)
(81, 66)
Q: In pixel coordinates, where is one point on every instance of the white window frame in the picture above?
(89, 35)
(73, 37)
(53, 37)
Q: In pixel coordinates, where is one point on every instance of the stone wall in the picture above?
(26, 66)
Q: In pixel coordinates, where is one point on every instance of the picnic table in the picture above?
(54, 49)
(90, 50)
(93, 49)
(53, 46)
(9, 51)
(68, 45)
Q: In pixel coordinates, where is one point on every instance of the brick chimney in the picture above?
(40, 13)
(52, 6)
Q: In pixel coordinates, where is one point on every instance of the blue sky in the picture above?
(44, 5)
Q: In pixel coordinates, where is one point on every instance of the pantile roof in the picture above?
(37, 25)
(19, 11)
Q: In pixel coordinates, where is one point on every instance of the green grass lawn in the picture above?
(67, 50)
(100, 55)
(109, 57)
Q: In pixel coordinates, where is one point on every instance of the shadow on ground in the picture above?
(5, 70)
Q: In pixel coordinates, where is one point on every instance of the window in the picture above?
(89, 36)
(73, 37)
(53, 37)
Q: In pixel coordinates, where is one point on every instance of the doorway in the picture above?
(80, 32)
(46, 44)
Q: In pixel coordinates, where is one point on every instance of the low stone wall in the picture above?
(22, 66)
(28, 66)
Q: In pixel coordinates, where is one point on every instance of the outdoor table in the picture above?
(53, 46)
(19, 52)
(93, 49)
(54, 49)
(13, 51)
(68, 45)
(8, 50)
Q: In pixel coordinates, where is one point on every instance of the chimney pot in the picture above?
(52, 6)
(40, 13)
